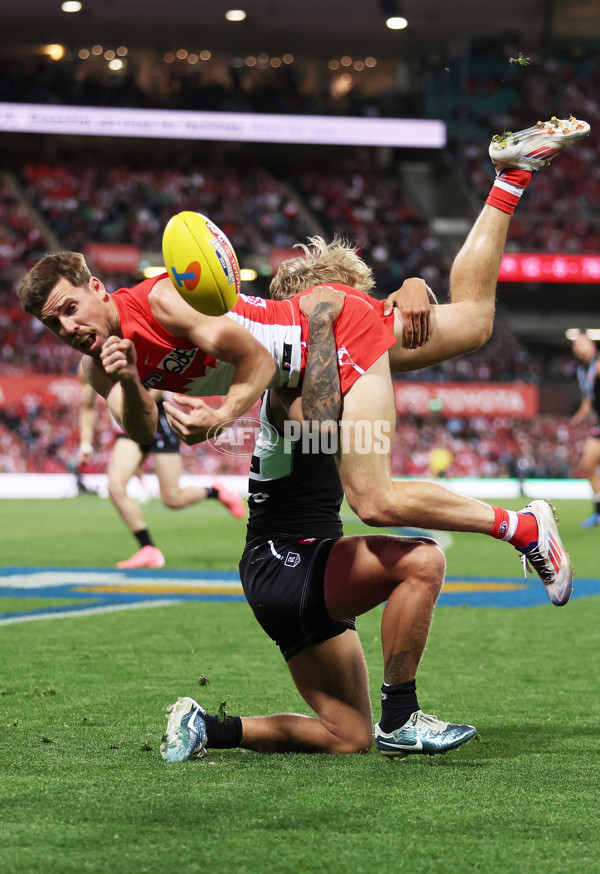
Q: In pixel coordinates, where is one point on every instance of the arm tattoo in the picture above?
(321, 394)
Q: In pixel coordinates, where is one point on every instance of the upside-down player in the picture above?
(149, 337)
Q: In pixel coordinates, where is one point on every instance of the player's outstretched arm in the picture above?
(223, 339)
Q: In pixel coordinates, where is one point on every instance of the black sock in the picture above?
(223, 735)
(143, 537)
(212, 493)
(397, 704)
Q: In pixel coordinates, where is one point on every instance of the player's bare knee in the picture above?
(171, 500)
(429, 565)
(116, 489)
(359, 743)
(478, 328)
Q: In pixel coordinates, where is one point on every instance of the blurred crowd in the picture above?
(544, 447)
(562, 208)
(41, 434)
(105, 199)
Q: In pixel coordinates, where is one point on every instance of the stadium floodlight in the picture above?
(590, 333)
(393, 11)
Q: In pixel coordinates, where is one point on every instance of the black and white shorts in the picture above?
(282, 577)
(165, 441)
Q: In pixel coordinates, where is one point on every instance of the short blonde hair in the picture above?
(321, 263)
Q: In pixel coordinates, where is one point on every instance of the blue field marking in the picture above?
(103, 590)
(506, 591)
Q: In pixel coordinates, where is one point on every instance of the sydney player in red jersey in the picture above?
(170, 339)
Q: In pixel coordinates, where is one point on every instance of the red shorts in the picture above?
(362, 333)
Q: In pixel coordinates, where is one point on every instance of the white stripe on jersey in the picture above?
(215, 381)
(275, 337)
(274, 462)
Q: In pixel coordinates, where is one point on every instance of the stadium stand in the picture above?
(265, 205)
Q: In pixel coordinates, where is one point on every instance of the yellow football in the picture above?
(201, 263)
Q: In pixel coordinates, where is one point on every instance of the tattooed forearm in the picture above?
(321, 395)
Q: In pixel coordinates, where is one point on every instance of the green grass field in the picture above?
(82, 701)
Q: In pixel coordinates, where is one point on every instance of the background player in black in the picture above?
(586, 352)
(125, 462)
(306, 583)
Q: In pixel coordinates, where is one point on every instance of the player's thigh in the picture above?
(168, 468)
(362, 571)
(456, 329)
(125, 459)
(332, 678)
(590, 458)
(367, 430)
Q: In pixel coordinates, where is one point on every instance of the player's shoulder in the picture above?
(160, 288)
(165, 301)
(134, 301)
(260, 309)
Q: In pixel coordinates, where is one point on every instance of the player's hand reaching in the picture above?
(191, 419)
(323, 299)
(413, 301)
(118, 358)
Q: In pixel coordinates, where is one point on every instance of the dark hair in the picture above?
(34, 288)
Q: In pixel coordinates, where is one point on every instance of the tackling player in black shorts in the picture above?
(306, 582)
(125, 462)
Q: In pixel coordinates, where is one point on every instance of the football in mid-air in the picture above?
(201, 263)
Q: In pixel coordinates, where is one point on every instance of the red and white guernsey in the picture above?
(175, 364)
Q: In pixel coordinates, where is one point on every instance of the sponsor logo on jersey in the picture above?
(254, 300)
(292, 559)
(178, 360)
(503, 528)
(154, 380)
(308, 540)
(259, 497)
(344, 358)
